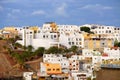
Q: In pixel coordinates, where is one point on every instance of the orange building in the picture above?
(50, 68)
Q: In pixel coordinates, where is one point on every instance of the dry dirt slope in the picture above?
(3, 43)
(108, 74)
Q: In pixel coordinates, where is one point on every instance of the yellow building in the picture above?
(51, 68)
(34, 28)
(95, 41)
(54, 27)
(9, 32)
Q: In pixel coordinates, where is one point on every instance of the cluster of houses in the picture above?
(77, 67)
(97, 48)
(51, 34)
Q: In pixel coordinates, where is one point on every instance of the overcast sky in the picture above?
(76, 12)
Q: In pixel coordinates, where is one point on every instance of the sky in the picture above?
(72, 12)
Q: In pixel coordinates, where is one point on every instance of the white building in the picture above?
(113, 52)
(109, 31)
(79, 76)
(96, 55)
(71, 39)
(27, 75)
(117, 36)
(63, 35)
(68, 28)
(46, 39)
(27, 37)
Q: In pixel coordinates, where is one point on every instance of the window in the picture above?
(80, 43)
(73, 68)
(76, 43)
(109, 31)
(54, 36)
(103, 43)
(43, 36)
(38, 31)
(48, 69)
(76, 39)
(47, 36)
(69, 43)
(57, 69)
(51, 36)
(68, 39)
(79, 39)
(72, 43)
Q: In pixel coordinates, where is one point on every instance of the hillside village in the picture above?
(60, 52)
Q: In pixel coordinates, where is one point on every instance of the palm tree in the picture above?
(40, 51)
(30, 48)
(17, 45)
(29, 52)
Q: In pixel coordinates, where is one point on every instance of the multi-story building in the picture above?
(26, 37)
(50, 27)
(94, 41)
(38, 39)
(63, 61)
(9, 32)
(46, 40)
(68, 28)
(113, 52)
(116, 36)
(52, 34)
(49, 35)
(111, 31)
(71, 39)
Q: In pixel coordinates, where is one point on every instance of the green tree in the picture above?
(116, 42)
(61, 50)
(24, 47)
(17, 45)
(19, 58)
(30, 48)
(39, 51)
(86, 29)
(28, 53)
(9, 51)
(74, 49)
(66, 50)
(52, 50)
(11, 40)
(119, 44)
